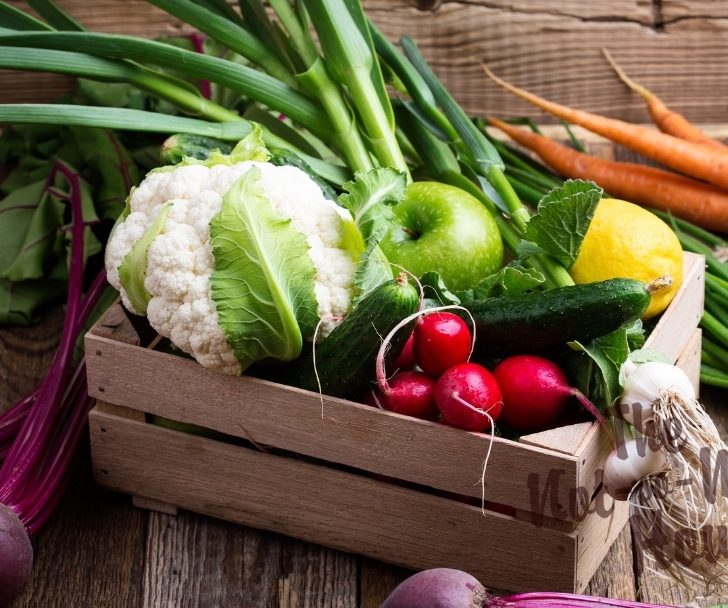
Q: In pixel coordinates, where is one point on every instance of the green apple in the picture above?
(444, 229)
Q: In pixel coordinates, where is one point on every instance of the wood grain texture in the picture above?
(331, 507)
(615, 576)
(674, 47)
(91, 554)
(377, 580)
(676, 324)
(689, 359)
(566, 439)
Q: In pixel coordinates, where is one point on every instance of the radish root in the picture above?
(485, 413)
(313, 357)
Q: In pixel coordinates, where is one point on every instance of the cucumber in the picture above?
(541, 320)
(185, 145)
(345, 360)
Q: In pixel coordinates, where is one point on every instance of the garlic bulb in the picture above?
(629, 463)
(645, 384)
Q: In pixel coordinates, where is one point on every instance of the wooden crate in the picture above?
(357, 478)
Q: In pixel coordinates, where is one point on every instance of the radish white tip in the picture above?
(465, 403)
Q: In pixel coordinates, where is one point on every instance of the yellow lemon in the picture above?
(626, 241)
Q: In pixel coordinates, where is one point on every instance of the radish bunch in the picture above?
(434, 378)
(464, 394)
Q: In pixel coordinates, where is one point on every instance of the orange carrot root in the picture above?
(696, 202)
(667, 120)
(697, 160)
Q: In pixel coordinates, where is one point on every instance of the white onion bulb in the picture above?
(643, 385)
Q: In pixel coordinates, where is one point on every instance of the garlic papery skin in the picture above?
(643, 386)
(630, 462)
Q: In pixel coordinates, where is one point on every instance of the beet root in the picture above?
(16, 556)
(438, 588)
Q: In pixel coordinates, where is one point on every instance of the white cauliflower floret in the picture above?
(180, 260)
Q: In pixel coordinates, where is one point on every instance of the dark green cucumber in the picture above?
(541, 320)
(345, 361)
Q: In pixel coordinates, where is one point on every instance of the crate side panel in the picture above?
(566, 439)
(689, 359)
(596, 534)
(334, 508)
(677, 323)
(356, 435)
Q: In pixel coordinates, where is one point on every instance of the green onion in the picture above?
(119, 118)
(714, 377)
(98, 68)
(55, 15)
(233, 36)
(351, 61)
(14, 19)
(250, 82)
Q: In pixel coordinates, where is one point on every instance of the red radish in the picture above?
(412, 394)
(387, 392)
(535, 391)
(468, 397)
(441, 341)
(406, 359)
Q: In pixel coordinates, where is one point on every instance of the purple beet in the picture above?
(16, 556)
(438, 588)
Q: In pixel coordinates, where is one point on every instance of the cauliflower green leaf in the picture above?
(133, 269)
(263, 283)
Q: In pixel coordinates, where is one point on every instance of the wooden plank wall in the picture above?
(676, 47)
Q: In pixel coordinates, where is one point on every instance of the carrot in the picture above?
(667, 120)
(694, 201)
(698, 160)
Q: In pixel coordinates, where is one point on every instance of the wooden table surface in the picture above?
(100, 552)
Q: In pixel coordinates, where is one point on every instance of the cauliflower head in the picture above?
(225, 259)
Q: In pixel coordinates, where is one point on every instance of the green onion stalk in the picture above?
(432, 107)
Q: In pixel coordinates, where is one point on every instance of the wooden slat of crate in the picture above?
(330, 507)
(676, 324)
(348, 433)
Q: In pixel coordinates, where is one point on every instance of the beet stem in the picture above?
(532, 600)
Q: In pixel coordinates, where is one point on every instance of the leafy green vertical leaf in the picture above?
(563, 218)
(263, 283)
(113, 170)
(599, 370)
(21, 303)
(370, 198)
(510, 280)
(31, 219)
